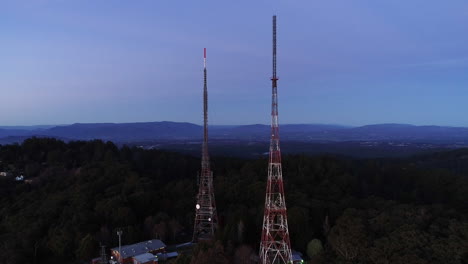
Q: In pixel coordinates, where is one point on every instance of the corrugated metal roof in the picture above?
(143, 258)
(167, 255)
(140, 248)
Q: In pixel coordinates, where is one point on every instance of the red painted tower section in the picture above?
(206, 219)
(275, 246)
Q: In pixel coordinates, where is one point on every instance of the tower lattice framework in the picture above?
(275, 246)
(206, 219)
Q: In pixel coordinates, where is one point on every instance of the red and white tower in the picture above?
(275, 246)
(206, 219)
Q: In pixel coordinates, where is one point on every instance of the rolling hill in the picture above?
(173, 131)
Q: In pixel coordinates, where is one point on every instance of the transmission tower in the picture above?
(206, 219)
(275, 246)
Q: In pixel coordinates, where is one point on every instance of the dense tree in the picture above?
(88, 248)
(364, 211)
(244, 255)
(209, 252)
(349, 237)
(314, 248)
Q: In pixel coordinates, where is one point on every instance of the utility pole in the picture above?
(119, 233)
(103, 255)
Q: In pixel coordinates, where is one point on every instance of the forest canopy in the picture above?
(77, 194)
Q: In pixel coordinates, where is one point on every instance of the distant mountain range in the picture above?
(174, 131)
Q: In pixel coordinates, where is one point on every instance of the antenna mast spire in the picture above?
(206, 218)
(275, 246)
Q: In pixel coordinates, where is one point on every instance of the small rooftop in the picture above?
(296, 256)
(168, 255)
(140, 248)
(146, 257)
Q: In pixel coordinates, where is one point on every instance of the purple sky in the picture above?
(343, 62)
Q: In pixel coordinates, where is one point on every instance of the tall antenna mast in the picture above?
(205, 157)
(275, 246)
(206, 218)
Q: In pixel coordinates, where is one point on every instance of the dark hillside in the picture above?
(361, 211)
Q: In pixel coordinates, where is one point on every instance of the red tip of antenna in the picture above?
(204, 53)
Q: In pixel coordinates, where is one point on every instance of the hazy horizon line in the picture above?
(45, 126)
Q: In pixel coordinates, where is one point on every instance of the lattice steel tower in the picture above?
(275, 246)
(206, 219)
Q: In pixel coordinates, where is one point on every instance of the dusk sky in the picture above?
(339, 62)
